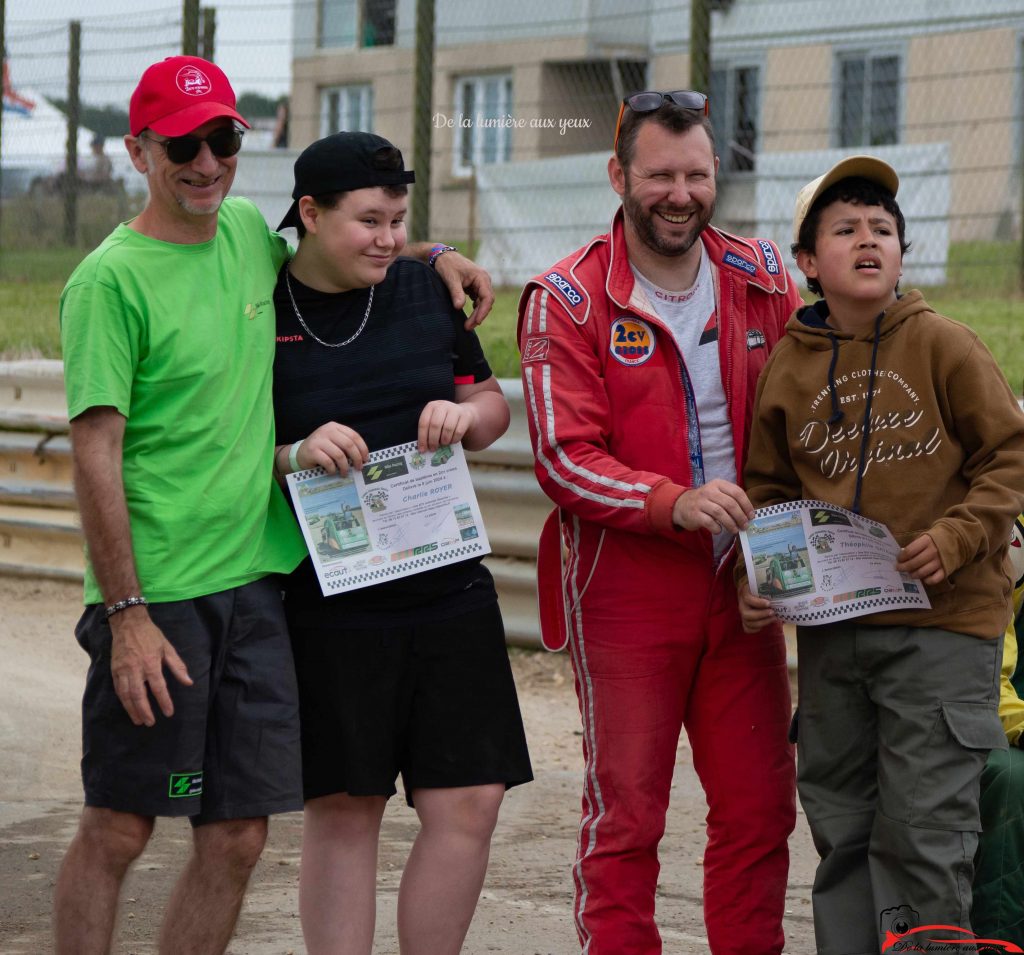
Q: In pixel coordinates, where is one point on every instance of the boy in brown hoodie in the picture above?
(874, 402)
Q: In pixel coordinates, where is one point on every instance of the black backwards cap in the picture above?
(344, 162)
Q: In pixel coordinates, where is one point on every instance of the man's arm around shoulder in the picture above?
(139, 649)
(462, 276)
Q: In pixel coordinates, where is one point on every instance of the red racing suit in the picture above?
(651, 619)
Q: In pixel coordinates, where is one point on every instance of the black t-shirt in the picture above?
(413, 350)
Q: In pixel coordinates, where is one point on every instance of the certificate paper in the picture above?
(818, 563)
(406, 511)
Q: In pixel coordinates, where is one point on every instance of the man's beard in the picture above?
(646, 228)
(195, 209)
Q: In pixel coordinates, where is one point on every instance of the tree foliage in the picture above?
(112, 121)
(254, 105)
(105, 120)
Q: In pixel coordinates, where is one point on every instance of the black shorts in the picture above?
(433, 701)
(231, 750)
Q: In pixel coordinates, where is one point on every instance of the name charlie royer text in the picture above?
(508, 121)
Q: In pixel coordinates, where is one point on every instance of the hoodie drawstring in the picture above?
(866, 426)
(837, 414)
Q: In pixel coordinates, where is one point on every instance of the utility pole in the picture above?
(3, 59)
(190, 27)
(209, 32)
(423, 110)
(74, 120)
(700, 45)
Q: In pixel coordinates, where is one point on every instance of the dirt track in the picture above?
(525, 909)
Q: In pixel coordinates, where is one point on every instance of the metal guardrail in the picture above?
(32, 397)
(40, 534)
(39, 531)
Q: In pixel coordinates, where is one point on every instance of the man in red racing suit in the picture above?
(627, 571)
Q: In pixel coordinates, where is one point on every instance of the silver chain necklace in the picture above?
(309, 331)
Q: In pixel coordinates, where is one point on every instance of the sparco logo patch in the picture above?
(536, 349)
(192, 81)
(632, 341)
(738, 262)
(771, 261)
(564, 287)
(755, 339)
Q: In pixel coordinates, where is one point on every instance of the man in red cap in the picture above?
(168, 337)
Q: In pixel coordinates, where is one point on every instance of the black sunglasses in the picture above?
(647, 101)
(223, 143)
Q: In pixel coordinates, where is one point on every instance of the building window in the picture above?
(481, 103)
(590, 90)
(631, 76)
(869, 99)
(378, 22)
(735, 114)
(352, 23)
(336, 23)
(346, 108)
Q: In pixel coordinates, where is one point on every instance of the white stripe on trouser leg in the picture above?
(591, 788)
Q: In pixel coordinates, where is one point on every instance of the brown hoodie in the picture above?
(942, 451)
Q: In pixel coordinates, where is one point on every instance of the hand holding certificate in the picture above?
(819, 563)
(404, 512)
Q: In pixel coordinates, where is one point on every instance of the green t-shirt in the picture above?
(180, 340)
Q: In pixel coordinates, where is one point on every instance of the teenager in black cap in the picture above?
(409, 676)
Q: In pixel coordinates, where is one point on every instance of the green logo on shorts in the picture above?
(185, 784)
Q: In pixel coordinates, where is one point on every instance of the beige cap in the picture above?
(867, 167)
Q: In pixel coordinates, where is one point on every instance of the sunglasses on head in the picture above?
(647, 101)
(223, 143)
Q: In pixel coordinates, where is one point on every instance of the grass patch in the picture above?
(498, 334)
(30, 287)
(983, 269)
(29, 328)
(999, 323)
(983, 292)
(35, 263)
(36, 223)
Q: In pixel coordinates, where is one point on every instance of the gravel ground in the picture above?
(525, 908)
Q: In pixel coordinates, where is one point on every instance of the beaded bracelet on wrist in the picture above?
(439, 250)
(125, 604)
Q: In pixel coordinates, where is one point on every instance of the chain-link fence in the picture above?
(524, 101)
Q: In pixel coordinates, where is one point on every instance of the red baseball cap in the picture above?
(179, 94)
